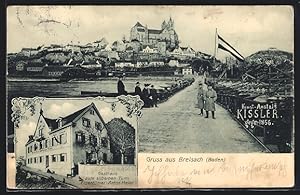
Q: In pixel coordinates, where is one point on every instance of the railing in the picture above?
(271, 131)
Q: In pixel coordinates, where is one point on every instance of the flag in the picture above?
(224, 45)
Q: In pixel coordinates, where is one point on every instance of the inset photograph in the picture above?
(75, 143)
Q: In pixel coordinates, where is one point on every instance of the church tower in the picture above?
(164, 25)
(171, 24)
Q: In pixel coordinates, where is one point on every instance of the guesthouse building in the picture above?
(58, 145)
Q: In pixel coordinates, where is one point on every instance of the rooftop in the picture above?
(139, 24)
(154, 31)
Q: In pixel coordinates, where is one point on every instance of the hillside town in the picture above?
(147, 50)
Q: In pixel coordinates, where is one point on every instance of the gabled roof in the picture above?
(30, 139)
(116, 43)
(129, 48)
(53, 123)
(186, 48)
(135, 40)
(138, 24)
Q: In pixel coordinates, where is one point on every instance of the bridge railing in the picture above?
(276, 131)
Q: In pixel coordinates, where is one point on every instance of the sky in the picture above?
(247, 28)
(58, 107)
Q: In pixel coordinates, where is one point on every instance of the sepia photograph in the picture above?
(74, 143)
(189, 80)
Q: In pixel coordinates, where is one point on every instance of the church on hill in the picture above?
(165, 36)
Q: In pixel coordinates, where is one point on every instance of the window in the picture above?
(57, 140)
(53, 141)
(28, 149)
(60, 123)
(34, 160)
(63, 138)
(41, 159)
(46, 143)
(105, 157)
(41, 145)
(28, 161)
(104, 142)
(98, 126)
(80, 138)
(93, 140)
(63, 157)
(86, 122)
(35, 147)
(92, 112)
(54, 159)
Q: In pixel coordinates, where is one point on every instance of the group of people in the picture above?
(206, 100)
(148, 94)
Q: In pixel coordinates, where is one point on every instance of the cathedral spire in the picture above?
(171, 23)
(163, 25)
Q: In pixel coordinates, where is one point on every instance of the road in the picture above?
(176, 126)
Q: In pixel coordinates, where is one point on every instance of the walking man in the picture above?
(153, 94)
(200, 98)
(210, 98)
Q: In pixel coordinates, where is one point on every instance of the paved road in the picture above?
(176, 126)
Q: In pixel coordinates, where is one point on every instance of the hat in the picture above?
(152, 85)
(137, 82)
(200, 83)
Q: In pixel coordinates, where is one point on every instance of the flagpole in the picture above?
(215, 54)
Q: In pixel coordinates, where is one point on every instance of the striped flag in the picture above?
(224, 45)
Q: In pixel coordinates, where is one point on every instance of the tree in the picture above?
(201, 64)
(122, 136)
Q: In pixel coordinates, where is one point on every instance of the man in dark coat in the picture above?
(146, 95)
(153, 95)
(138, 90)
(121, 87)
(210, 98)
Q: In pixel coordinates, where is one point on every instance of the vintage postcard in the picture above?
(135, 97)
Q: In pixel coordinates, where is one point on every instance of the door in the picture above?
(47, 161)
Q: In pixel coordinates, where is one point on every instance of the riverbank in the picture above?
(43, 79)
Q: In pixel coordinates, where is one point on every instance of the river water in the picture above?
(31, 88)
